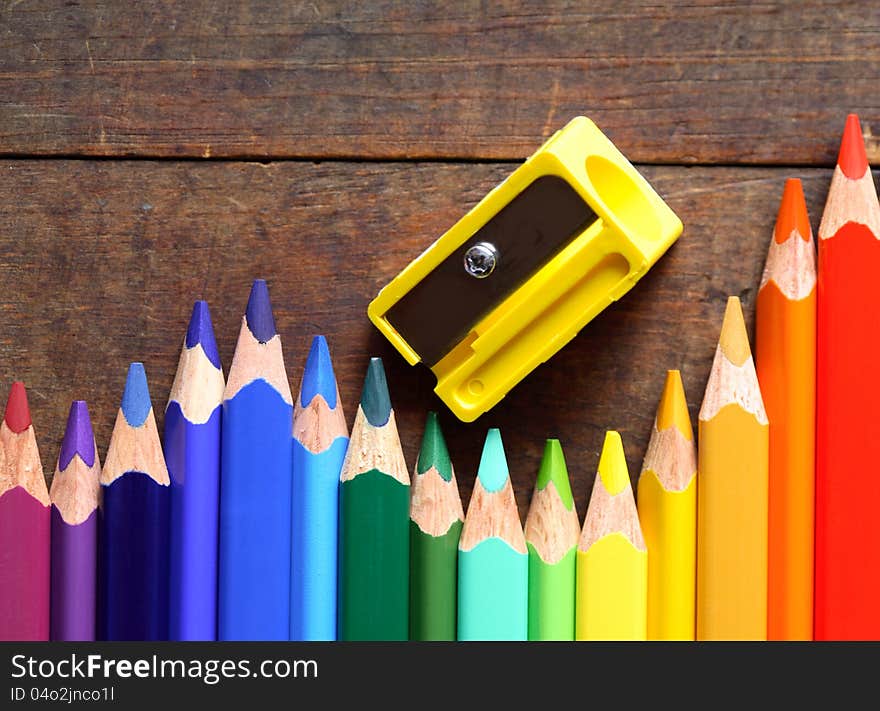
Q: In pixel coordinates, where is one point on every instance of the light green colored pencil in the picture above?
(552, 533)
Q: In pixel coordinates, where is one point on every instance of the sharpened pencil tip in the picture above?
(852, 158)
(318, 376)
(672, 410)
(260, 320)
(734, 339)
(375, 399)
(18, 414)
(553, 469)
(201, 331)
(792, 215)
(78, 436)
(136, 403)
(612, 464)
(493, 471)
(434, 452)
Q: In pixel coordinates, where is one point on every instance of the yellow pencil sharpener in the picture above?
(567, 233)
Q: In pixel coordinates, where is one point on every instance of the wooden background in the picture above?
(153, 153)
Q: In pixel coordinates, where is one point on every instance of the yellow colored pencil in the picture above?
(732, 497)
(612, 560)
(668, 514)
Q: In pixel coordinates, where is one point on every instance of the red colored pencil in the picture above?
(24, 527)
(848, 402)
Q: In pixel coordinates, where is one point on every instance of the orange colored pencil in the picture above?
(786, 364)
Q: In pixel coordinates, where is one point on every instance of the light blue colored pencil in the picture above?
(320, 439)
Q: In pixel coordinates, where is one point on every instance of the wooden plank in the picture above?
(100, 262)
(679, 82)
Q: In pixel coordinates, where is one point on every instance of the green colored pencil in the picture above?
(374, 522)
(552, 533)
(436, 518)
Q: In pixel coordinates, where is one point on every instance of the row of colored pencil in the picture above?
(238, 530)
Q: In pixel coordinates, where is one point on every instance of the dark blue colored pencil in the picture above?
(133, 558)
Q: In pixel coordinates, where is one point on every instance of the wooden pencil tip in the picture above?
(259, 316)
(852, 159)
(136, 403)
(734, 340)
(612, 464)
(493, 471)
(18, 414)
(78, 436)
(201, 332)
(375, 398)
(672, 410)
(792, 215)
(318, 376)
(434, 452)
(553, 469)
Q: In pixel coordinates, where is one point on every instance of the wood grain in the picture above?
(675, 82)
(100, 262)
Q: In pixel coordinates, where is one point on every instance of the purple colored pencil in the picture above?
(75, 493)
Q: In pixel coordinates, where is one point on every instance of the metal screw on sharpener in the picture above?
(480, 260)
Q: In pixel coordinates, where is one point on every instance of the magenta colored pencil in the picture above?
(24, 527)
(76, 490)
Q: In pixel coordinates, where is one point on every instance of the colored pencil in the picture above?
(320, 440)
(24, 527)
(76, 492)
(785, 352)
(374, 521)
(493, 562)
(255, 484)
(552, 532)
(668, 514)
(848, 402)
(612, 560)
(133, 554)
(732, 493)
(436, 518)
(192, 453)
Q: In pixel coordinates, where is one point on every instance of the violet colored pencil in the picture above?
(76, 491)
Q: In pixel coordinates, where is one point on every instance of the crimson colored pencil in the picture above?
(24, 527)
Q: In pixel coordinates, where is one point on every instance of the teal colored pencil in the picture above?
(493, 565)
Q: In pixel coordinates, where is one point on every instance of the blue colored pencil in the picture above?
(192, 452)
(255, 484)
(320, 439)
(133, 559)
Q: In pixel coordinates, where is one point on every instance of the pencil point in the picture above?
(78, 436)
(493, 471)
(553, 469)
(672, 410)
(734, 339)
(18, 414)
(375, 400)
(201, 331)
(434, 452)
(852, 158)
(792, 215)
(612, 464)
(318, 376)
(136, 403)
(260, 320)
